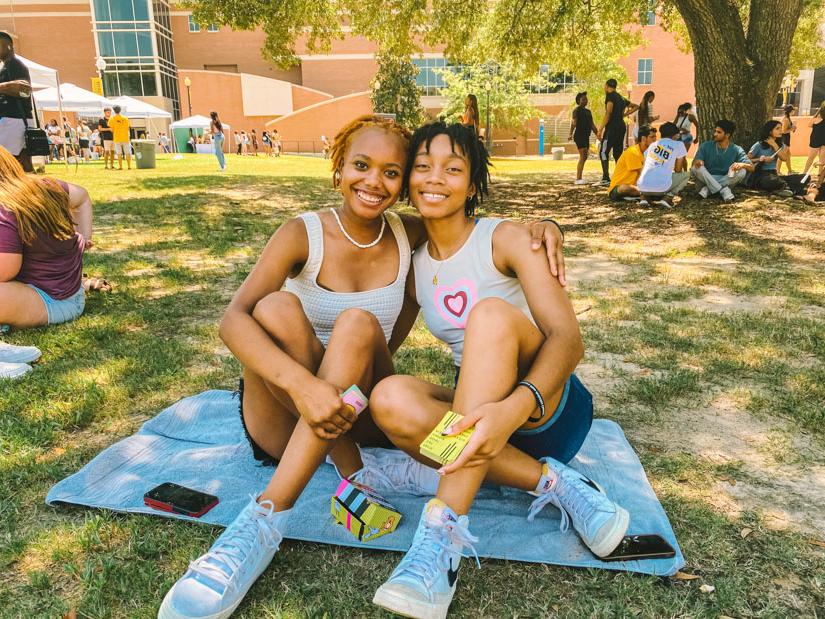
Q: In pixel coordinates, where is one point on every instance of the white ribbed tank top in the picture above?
(323, 306)
(461, 281)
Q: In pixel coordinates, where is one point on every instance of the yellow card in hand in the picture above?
(445, 449)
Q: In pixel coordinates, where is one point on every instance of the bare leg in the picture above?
(581, 162)
(21, 306)
(811, 157)
(407, 409)
(357, 354)
(269, 413)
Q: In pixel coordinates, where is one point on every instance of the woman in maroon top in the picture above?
(45, 226)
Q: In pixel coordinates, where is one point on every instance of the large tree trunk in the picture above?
(738, 72)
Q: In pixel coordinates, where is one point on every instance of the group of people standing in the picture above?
(247, 143)
(655, 168)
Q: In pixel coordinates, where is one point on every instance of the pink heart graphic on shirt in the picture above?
(454, 302)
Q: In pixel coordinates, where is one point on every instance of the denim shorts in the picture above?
(63, 310)
(563, 434)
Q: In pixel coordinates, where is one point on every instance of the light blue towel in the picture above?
(199, 443)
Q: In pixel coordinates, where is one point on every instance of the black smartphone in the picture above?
(633, 547)
(169, 497)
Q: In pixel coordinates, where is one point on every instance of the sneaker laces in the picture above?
(584, 504)
(223, 561)
(428, 555)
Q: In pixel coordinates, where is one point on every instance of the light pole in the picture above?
(187, 82)
(487, 87)
(100, 64)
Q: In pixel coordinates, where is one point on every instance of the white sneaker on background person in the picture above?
(580, 181)
(13, 371)
(9, 353)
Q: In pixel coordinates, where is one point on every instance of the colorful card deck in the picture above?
(362, 512)
(445, 449)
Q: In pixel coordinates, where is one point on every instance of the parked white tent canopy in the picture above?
(71, 98)
(41, 77)
(135, 108)
(202, 122)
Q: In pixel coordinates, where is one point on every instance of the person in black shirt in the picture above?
(613, 128)
(15, 101)
(106, 138)
(580, 130)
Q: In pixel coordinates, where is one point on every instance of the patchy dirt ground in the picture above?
(754, 257)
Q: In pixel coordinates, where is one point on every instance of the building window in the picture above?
(644, 74)
(212, 28)
(193, 25)
(651, 18)
(430, 83)
(226, 68)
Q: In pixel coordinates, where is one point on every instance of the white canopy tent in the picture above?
(41, 77)
(202, 122)
(71, 98)
(135, 108)
(44, 77)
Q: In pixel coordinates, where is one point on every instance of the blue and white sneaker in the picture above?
(9, 353)
(423, 584)
(600, 522)
(216, 583)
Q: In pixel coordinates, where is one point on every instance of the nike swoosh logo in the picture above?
(591, 483)
(452, 574)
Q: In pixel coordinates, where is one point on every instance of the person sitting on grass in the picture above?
(45, 227)
(664, 173)
(720, 164)
(765, 154)
(482, 290)
(623, 184)
(323, 308)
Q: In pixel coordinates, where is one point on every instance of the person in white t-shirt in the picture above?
(664, 173)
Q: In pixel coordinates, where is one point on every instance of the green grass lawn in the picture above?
(705, 335)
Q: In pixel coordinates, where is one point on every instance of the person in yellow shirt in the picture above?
(629, 166)
(120, 135)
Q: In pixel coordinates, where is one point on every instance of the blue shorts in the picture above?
(65, 309)
(563, 434)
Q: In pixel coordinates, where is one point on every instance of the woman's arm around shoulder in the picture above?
(414, 227)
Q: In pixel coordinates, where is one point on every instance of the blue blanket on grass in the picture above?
(199, 443)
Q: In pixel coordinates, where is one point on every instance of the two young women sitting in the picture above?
(351, 291)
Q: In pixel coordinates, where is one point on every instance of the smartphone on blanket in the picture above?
(634, 547)
(169, 497)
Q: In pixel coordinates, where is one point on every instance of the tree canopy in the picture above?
(742, 48)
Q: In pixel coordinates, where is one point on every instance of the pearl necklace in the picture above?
(353, 241)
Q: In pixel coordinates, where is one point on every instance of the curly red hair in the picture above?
(344, 137)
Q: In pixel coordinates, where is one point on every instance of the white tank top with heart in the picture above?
(448, 289)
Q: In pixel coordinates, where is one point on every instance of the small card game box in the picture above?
(355, 399)
(445, 449)
(363, 512)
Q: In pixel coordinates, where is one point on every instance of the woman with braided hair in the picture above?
(323, 309)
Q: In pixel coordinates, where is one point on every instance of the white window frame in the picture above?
(213, 28)
(193, 25)
(644, 71)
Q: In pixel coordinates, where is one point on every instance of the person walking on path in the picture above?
(216, 128)
(580, 130)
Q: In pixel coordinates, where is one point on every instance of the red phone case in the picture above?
(168, 507)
